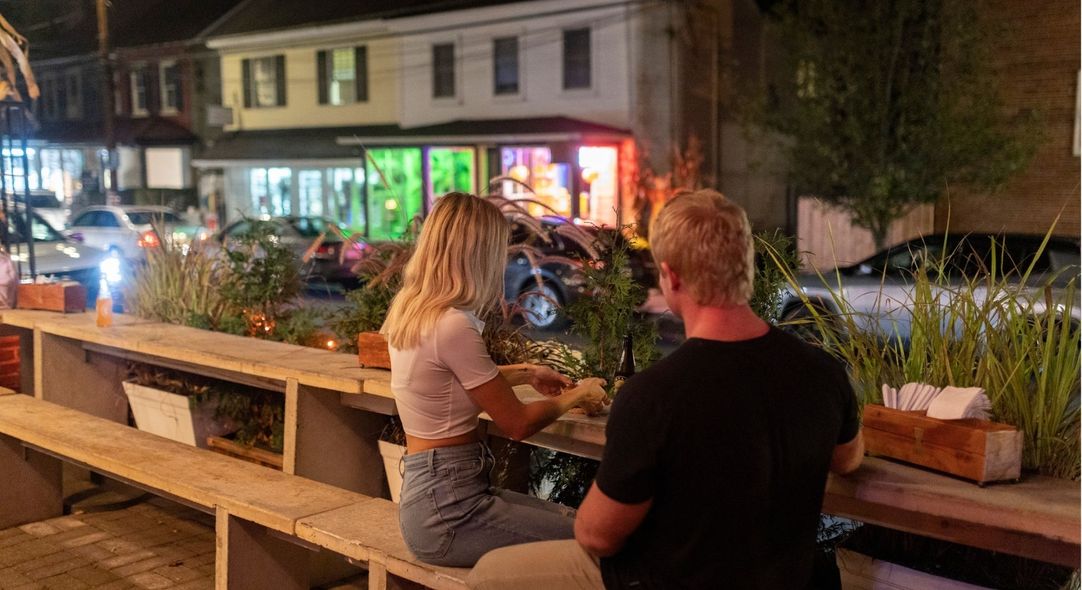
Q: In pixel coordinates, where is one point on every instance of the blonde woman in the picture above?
(442, 378)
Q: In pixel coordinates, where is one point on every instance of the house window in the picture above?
(264, 82)
(74, 90)
(169, 80)
(443, 70)
(48, 98)
(505, 65)
(343, 75)
(577, 63)
(139, 98)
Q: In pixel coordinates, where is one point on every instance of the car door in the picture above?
(92, 227)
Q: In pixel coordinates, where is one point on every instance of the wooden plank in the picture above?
(289, 435)
(254, 493)
(1036, 518)
(32, 484)
(247, 557)
(369, 531)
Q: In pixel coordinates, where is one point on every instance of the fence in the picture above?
(828, 238)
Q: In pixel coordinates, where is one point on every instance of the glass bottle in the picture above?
(104, 305)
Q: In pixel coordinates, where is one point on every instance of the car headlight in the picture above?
(110, 268)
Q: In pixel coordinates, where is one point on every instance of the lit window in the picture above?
(577, 62)
(505, 65)
(443, 70)
(264, 82)
(139, 92)
(74, 88)
(343, 75)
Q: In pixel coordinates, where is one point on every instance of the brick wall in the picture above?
(1038, 59)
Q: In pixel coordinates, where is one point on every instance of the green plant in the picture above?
(264, 276)
(381, 272)
(990, 330)
(606, 312)
(918, 112)
(260, 416)
(776, 257)
(180, 288)
(560, 477)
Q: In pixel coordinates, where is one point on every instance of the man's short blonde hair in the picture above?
(706, 239)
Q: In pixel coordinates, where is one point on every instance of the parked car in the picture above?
(47, 206)
(129, 230)
(880, 288)
(327, 264)
(555, 282)
(61, 258)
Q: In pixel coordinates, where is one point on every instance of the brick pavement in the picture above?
(154, 545)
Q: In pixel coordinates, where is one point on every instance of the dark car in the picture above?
(880, 288)
(555, 282)
(328, 263)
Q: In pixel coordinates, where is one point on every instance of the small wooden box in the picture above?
(65, 297)
(372, 350)
(977, 450)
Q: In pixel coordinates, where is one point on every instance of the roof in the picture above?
(62, 28)
(144, 131)
(272, 15)
(345, 142)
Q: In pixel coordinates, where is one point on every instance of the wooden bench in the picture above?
(270, 526)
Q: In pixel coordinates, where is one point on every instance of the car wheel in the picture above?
(541, 306)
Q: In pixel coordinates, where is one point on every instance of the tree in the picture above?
(889, 104)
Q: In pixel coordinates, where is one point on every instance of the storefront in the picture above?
(378, 181)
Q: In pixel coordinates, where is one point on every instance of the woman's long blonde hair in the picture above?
(458, 262)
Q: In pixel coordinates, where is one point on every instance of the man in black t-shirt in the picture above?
(717, 456)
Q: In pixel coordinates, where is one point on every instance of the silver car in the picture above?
(879, 290)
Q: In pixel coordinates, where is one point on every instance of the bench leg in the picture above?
(248, 558)
(32, 488)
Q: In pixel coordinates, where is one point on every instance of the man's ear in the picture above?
(674, 279)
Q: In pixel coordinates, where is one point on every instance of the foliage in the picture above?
(891, 103)
(366, 309)
(992, 330)
(775, 256)
(301, 326)
(560, 477)
(259, 415)
(606, 312)
(179, 288)
(264, 274)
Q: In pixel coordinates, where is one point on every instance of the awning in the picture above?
(344, 144)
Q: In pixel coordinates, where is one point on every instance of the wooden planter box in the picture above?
(977, 450)
(10, 376)
(372, 350)
(65, 297)
(251, 454)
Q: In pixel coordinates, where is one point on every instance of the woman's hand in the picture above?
(590, 395)
(548, 381)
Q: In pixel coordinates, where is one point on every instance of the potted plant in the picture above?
(392, 446)
(177, 408)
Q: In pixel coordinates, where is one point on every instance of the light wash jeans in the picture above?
(450, 514)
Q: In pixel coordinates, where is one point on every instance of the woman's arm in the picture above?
(520, 421)
(543, 379)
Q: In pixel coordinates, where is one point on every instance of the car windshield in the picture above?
(312, 227)
(151, 217)
(42, 231)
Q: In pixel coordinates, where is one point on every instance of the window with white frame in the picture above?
(443, 70)
(343, 75)
(505, 65)
(73, 82)
(170, 87)
(264, 82)
(139, 95)
(578, 66)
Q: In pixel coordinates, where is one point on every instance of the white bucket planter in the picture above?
(392, 455)
(174, 416)
(860, 572)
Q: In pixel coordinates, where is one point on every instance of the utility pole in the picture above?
(109, 96)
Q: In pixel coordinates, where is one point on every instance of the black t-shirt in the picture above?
(732, 441)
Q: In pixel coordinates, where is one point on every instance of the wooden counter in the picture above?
(81, 366)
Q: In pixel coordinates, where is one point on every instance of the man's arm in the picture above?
(602, 524)
(847, 456)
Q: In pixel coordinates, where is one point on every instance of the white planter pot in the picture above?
(392, 455)
(173, 416)
(860, 572)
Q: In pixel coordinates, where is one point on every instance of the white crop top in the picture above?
(429, 381)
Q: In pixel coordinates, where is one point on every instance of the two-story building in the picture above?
(163, 76)
(366, 113)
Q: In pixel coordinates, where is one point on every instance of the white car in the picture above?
(129, 230)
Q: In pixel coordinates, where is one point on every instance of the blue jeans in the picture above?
(450, 514)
